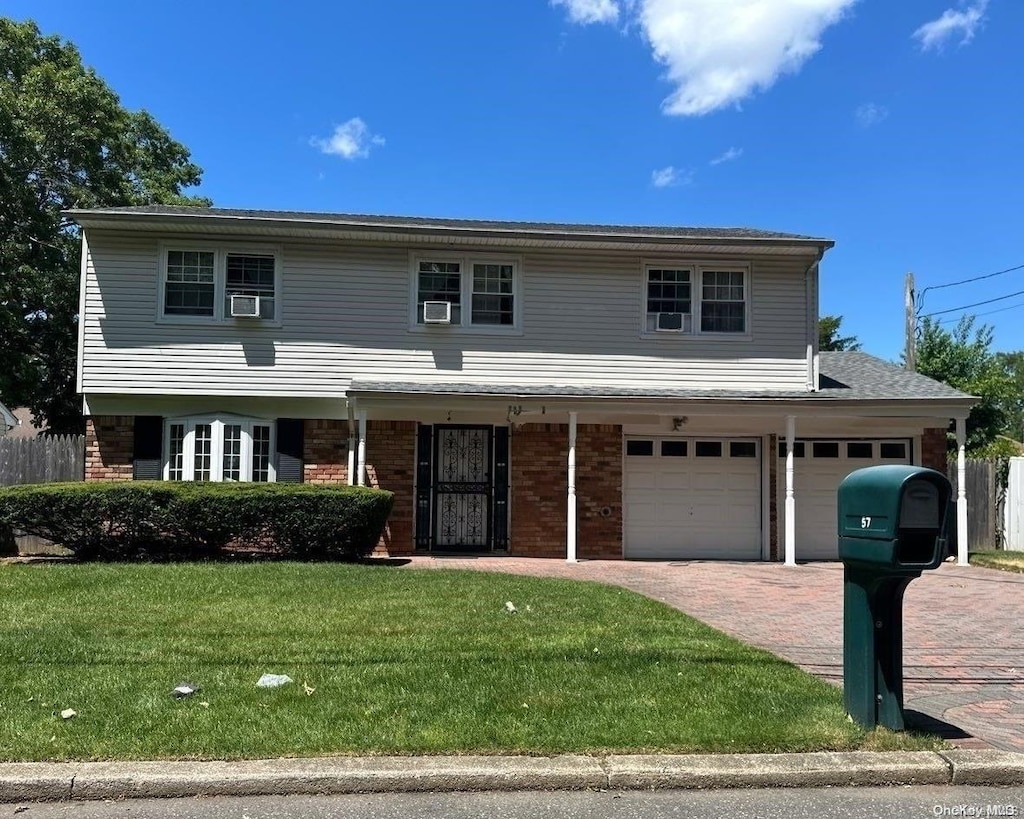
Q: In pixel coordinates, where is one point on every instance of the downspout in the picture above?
(361, 465)
(351, 444)
(811, 297)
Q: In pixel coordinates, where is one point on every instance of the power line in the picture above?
(986, 313)
(976, 304)
(975, 279)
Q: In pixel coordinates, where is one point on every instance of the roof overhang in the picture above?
(365, 229)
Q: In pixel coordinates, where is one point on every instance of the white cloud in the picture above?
(728, 156)
(352, 140)
(670, 177)
(719, 52)
(870, 114)
(935, 34)
(590, 11)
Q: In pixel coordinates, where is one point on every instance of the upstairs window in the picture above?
(218, 449)
(481, 292)
(668, 300)
(694, 300)
(722, 305)
(194, 280)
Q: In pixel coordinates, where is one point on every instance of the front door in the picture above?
(462, 494)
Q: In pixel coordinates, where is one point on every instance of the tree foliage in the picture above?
(65, 142)
(963, 359)
(829, 338)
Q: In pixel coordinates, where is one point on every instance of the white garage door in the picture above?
(688, 498)
(819, 467)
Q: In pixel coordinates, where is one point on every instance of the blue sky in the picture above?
(892, 127)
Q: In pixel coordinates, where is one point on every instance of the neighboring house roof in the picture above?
(7, 418)
(112, 217)
(845, 376)
(25, 428)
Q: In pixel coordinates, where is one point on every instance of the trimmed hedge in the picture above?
(156, 520)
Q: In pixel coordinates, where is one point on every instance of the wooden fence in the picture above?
(41, 460)
(985, 500)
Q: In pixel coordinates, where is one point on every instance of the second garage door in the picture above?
(689, 498)
(819, 467)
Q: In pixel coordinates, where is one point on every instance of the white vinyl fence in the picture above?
(1014, 512)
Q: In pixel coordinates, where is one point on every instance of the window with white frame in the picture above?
(194, 280)
(482, 291)
(218, 449)
(695, 299)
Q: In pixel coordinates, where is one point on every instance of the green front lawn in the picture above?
(401, 661)
(999, 559)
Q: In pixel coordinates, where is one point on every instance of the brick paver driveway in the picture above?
(963, 657)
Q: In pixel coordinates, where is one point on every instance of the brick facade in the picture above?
(934, 449)
(109, 444)
(391, 465)
(325, 451)
(539, 478)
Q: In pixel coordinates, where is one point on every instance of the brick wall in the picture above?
(934, 449)
(599, 491)
(109, 444)
(325, 451)
(391, 465)
(539, 478)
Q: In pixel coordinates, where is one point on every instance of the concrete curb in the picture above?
(41, 781)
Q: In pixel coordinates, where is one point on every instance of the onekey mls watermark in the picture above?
(976, 810)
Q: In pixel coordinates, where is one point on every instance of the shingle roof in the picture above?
(351, 219)
(862, 376)
(845, 376)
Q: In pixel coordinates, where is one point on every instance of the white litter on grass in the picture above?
(68, 713)
(273, 680)
(184, 689)
(511, 607)
(310, 690)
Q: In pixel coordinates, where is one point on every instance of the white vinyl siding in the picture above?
(347, 311)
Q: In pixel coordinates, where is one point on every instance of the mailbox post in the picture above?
(892, 527)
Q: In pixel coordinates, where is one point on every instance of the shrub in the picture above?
(161, 520)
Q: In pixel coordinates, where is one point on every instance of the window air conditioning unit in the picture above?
(437, 312)
(671, 322)
(245, 306)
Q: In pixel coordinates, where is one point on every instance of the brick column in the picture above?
(772, 456)
(391, 465)
(325, 451)
(934, 448)
(109, 441)
(599, 490)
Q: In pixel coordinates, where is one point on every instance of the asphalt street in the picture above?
(799, 803)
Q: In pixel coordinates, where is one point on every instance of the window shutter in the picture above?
(289, 450)
(500, 515)
(147, 448)
(424, 484)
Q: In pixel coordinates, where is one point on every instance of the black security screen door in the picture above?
(462, 492)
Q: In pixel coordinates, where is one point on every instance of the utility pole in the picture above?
(911, 354)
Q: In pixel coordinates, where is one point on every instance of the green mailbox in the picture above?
(892, 527)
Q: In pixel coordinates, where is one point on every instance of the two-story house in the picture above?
(537, 389)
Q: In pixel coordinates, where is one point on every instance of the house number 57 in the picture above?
(865, 523)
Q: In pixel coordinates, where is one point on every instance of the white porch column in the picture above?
(361, 465)
(790, 536)
(961, 491)
(351, 448)
(570, 529)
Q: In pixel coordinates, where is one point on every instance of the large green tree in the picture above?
(963, 359)
(65, 142)
(829, 338)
